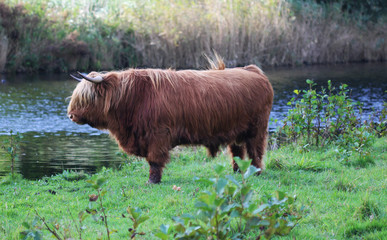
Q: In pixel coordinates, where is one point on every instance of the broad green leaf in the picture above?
(187, 216)
(93, 184)
(229, 207)
(250, 171)
(202, 205)
(162, 235)
(219, 201)
(204, 181)
(220, 185)
(235, 213)
(232, 179)
(245, 189)
(230, 190)
(178, 220)
(142, 219)
(164, 228)
(135, 213)
(260, 208)
(280, 195)
(242, 164)
(37, 236)
(219, 169)
(247, 198)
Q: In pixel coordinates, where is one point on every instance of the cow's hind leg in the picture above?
(156, 165)
(236, 151)
(256, 149)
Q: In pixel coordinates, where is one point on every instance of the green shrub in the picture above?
(230, 210)
(331, 116)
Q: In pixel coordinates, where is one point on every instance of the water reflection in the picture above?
(39, 105)
(51, 153)
(35, 105)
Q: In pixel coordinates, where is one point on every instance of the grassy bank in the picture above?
(55, 35)
(325, 153)
(340, 201)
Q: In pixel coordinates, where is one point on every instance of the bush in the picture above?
(318, 118)
(230, 210)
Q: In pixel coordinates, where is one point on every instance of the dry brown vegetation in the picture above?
(57, 35)
(260, 32)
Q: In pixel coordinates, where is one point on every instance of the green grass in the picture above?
(340, 201)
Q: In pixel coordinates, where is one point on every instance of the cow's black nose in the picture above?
(70, 116)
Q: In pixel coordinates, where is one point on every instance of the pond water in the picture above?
(35, 106)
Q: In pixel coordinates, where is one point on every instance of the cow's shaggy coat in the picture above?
(150, 111)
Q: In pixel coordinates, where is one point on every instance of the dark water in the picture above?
(35, 105)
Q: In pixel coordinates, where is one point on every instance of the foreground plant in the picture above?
(97, 184)
(230, 210)
(11, 147)
(135, 214)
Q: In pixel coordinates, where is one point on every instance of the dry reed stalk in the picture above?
(177, 34)
(243, 32)
(3, 51)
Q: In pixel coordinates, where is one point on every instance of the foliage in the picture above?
(37, 38)
(11, 146)
(330, 116)
(229, 210)
(31, 230)
(137, 218)
(370, 10)
(97, 184)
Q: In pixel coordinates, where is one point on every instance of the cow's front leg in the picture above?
(156, 164)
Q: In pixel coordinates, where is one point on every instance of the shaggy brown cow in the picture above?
(150, 111)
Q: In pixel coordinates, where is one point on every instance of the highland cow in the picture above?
(150, 111)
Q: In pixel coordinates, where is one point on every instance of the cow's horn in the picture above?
(96, 79)
(78, 79)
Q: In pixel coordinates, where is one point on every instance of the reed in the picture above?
(102, 35)
(260, 32)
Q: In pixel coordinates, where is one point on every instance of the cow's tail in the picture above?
(254, 68)
(216, 63)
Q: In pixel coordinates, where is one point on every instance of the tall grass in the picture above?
(164, 33)
(262, 32)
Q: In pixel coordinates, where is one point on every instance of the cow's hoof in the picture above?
(154, 181)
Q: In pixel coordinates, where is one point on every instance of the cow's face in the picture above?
(87, 105)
